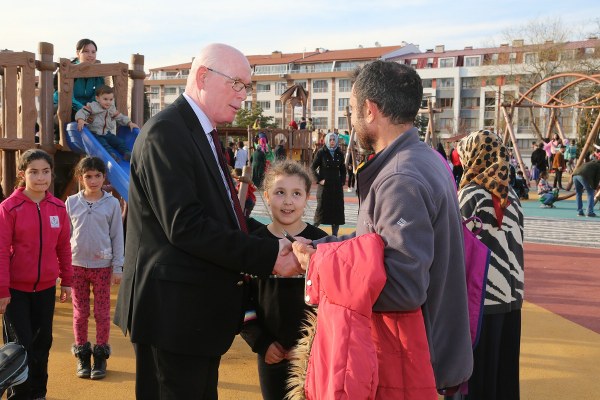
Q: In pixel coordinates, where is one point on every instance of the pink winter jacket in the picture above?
(344, 279)
(34, 244)
(357, 354)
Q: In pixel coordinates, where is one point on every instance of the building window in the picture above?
(263, 87)
(278, 122)
(494, 59)
(301, 83)
(530, 58)
(472, 61)
(154, 92)
(446, 124)
(248, 105)
(490, 102)
(345, 85)
(320, 104)
(171, 90)
(280, 87)
(320, 122)
(512, 58)
(469, 123)
(567, 55)
(342, 103)
(445, 83)
(413, 63)
(278, 106)
(427, 83)
(265, 105)
(469, 102)
(470, 83)
(447, 62)
(445, 103)
(429, 63)
(342, 123)
(320, 86)
(154, 109)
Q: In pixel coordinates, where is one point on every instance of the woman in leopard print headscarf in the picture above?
(485, 193)
(485, 162)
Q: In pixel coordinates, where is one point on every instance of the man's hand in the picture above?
(286, 264)
(275, 353)
(303, 252)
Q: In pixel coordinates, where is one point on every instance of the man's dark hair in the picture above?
(241, 144)
(395, 88)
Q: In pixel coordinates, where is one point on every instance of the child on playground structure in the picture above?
(102, 117)
(272, 323)
(547, 194)
(97, 245)
(34, 252)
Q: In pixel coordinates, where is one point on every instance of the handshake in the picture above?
(293, 258)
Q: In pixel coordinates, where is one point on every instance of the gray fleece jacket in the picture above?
(101, 121)
(96, 232)
(407, 197)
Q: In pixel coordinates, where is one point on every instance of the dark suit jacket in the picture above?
(182, 290)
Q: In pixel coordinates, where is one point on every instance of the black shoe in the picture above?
(83, 353)
(101, 354)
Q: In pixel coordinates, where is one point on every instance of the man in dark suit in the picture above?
(181, 297)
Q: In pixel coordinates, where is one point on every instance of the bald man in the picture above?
(187, 243)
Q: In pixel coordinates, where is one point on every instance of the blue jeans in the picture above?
(580, 185)
(112, 142)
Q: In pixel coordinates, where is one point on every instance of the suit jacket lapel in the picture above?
(199, 138)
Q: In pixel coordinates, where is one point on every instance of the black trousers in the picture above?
(164, 375)
(29, 316)
(273, 378)
(496, 368)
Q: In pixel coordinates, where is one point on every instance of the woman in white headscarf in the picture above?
(328, 166)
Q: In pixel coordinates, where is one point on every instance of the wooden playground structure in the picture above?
(22, 92)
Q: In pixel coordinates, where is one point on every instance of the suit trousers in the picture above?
(163, 375)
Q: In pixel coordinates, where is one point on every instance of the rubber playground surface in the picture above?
(560, 340)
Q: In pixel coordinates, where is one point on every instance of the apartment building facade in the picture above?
(466, 86)
(323, 73)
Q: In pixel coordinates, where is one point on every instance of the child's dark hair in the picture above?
(288, 168)
(104, 89)
(84, 42)
(90, 164)
(27, 158)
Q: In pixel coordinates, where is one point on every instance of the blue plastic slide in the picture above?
(84, 142)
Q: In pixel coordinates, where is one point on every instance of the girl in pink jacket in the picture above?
(34, 252)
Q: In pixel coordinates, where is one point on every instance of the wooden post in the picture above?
(9, 175)
(137, 75)
(535, 127)
(514, 139)
(46, 90)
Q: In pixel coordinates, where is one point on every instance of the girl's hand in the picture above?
(116, 278)
(65, 293)
(3, 304)
(275, 353)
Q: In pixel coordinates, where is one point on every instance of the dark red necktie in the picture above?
(236, 202)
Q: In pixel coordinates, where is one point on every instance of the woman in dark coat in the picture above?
(259, 162)
(328, 166)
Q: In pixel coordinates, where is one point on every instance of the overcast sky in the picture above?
(168, 33)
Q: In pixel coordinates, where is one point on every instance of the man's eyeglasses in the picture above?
(238, 85)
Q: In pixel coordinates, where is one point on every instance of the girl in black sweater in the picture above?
(272, 324)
